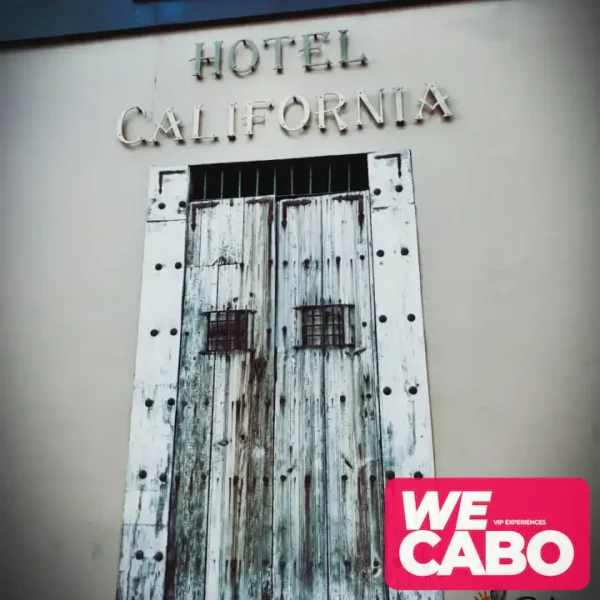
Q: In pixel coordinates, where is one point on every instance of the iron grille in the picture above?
(280, 178)
(323, 325)
(227, 330)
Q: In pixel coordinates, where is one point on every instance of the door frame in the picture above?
(402, 367)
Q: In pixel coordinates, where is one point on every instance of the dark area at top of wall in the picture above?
(30, 22)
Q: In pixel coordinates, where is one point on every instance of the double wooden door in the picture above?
(278, 471)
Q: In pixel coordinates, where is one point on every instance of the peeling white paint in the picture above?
(146, 510)
(405, 418)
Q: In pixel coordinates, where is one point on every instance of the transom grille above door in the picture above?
(280, 178)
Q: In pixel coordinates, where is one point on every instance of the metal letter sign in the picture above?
(244, 59)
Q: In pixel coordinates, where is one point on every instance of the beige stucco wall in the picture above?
(507, 213)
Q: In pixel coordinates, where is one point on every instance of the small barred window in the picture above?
(227, 330)
(327, 325)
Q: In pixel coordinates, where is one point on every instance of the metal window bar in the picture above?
(323, 325)
(227, 330)
(281, 178)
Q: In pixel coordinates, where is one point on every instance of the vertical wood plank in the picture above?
(404, 392)
(225, 496)
(366, 379)
(189, 517)
(354, 474)
(255, 460)
(149, 473)
(300, 499)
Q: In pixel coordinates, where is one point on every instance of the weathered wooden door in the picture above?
(299, 366)
(278, 476)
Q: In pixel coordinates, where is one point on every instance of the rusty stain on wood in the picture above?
(348, 197)
(266, 200)
(398, 158)
(163, 174)
(284, 208)
(195, 207)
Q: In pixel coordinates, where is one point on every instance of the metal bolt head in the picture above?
(139, 555)
(377, 191)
